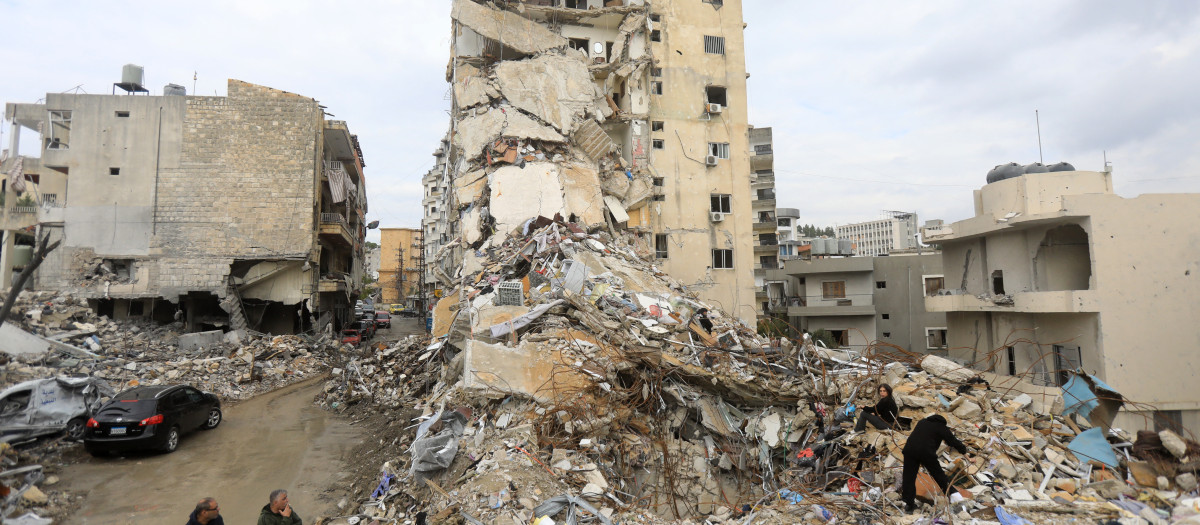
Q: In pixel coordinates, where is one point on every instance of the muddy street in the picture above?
(276, 440)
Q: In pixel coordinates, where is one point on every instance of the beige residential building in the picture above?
(242, 211)
(399, 265)
(670, 99)
(1056, 272)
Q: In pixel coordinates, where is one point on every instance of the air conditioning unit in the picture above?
(714, 108)
(711, 160)
(716, 216)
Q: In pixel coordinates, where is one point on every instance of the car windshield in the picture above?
(350, 331)
(382, 315)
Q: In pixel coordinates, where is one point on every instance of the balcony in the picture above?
(830, 310)
(781, 305)
(1065, 301)
(763, 204)
(766, 247)
(333, 283)
(762, 159)
(336, 230)
(768, 224)
(763, 178)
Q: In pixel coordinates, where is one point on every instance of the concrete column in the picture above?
(6, 246)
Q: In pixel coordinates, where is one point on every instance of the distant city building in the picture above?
(400, 266)
(764, 223)
(879, 237)
(862, 301)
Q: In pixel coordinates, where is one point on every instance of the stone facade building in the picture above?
(242, 211)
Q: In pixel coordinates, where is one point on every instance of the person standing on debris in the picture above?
(207, 513)
(921, 450)
(881, 416)
(702, 318)
(277, 511)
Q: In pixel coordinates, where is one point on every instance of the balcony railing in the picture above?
(335, 218)
(14, 210)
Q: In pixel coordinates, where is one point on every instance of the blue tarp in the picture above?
(1010, 519)
(1090, 444)
(1092, 399)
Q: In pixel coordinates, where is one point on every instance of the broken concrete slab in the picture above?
(515, 31)
(519, 194)
(1173, 443)
(581, 193)
(555, 88)
(946, 369)
(593, 140)
(198, 340)
(479, 131)
(529, 369)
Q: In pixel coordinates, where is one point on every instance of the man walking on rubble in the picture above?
(277, 511)
(921, 450)
(207, 513)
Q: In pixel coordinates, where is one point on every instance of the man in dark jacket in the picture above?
(277, 511)
(921, 450)
(207, 513)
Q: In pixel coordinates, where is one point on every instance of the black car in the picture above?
(150, 418)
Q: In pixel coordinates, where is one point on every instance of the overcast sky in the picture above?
(874, 105)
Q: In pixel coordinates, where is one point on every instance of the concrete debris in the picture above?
(1173, 443)
(506, 28)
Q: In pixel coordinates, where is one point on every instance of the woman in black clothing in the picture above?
(881, 416)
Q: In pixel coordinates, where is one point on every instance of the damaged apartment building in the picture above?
(241, 211)
(624, 114)
(1055, 272)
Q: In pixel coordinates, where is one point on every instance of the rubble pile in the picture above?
(568, 367)
(235, 365)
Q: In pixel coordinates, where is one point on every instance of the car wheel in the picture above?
(214, 419)
(172, 442)
(76, 428)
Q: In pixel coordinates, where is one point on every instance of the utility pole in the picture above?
(420, 242)
(399, 279)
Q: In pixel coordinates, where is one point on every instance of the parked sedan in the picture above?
(351, 336)
(150, 418)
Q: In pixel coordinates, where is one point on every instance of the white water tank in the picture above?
(133, 74)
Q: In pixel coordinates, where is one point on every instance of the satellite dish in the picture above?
(598, 48)
(372, 225)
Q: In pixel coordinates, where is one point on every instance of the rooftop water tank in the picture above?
(1005, 171)
(1036, 167)
(174, 90)
(133, 74)
(1062, 166)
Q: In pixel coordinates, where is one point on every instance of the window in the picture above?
(659, 198)
(655, 17)
(114, 171)
(785, 222)
(656, 88)
(719, 202)
(656, 36)
(998, 282)
(933, 284)
(887, 334)
(833, 289)
(714, 45)
(575, 4)
(656, 71)
(935, 338)
(660, 246)
(60, 130)
(122, 114)
(719, 149)
(715, 95)
(658, 143)
(1066, 359)
(658, 181)
(887, 316)
(880, 284)
(137, 308)
(762, 149)
(1168, 420)
(722, 259)
(656, 125)
(1012, 361)
(578, 43)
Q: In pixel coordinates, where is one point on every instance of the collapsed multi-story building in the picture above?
(242, 211)
(617, 113)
